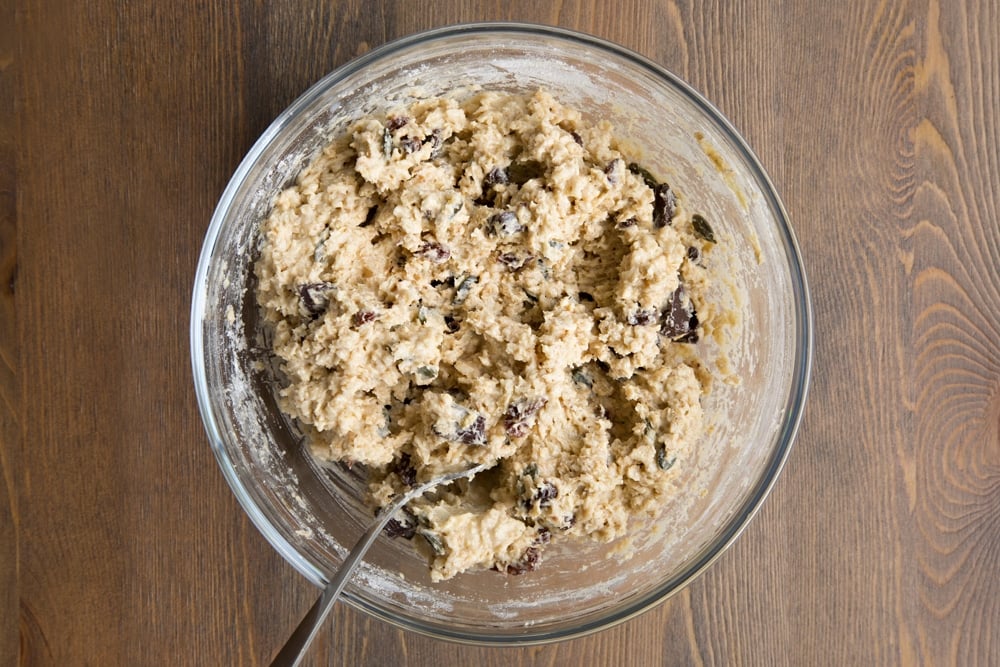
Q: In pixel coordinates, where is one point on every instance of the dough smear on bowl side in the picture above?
(491, 279)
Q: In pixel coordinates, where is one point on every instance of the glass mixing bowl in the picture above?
(312, 515)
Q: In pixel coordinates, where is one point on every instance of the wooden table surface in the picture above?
(879, 122)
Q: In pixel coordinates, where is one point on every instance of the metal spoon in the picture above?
(295, 648)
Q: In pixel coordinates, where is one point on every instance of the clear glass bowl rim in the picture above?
(801, 300)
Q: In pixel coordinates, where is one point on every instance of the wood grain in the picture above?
(119, 127)
(9, 395)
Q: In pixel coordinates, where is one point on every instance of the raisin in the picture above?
(411, 145)
(693, 254)
(522, 172)
(434, 139)
(496, 176)
(313, 297)
(395, 122)
(702, 228)
(611, 171)
(504, 223)
(433, 251)
(405, 470)
(363, 317)
(577, 138)
(664, 205)
(641, 318)
(474, 434)
(544, 536)
(514, 261)
(628, 222)
(451, 323)
(643, 173)
(545, 494)
(527, 562)
(520, 415)
(678, 323)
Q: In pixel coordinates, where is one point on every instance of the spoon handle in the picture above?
(295, 648)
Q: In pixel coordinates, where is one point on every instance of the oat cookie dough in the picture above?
(491, 280)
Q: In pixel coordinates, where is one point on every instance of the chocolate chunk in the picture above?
(313, 297)
(664, 205)
(520, 415)
(405, 528)
(504, 223)
(692, 335)
(585, 296)
(702, 228)
(641, 318)
(433, 251)
(678, 320)
(451, 323)
(370, 217)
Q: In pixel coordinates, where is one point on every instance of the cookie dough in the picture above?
(491, 279)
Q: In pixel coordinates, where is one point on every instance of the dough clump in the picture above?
(490, 280)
